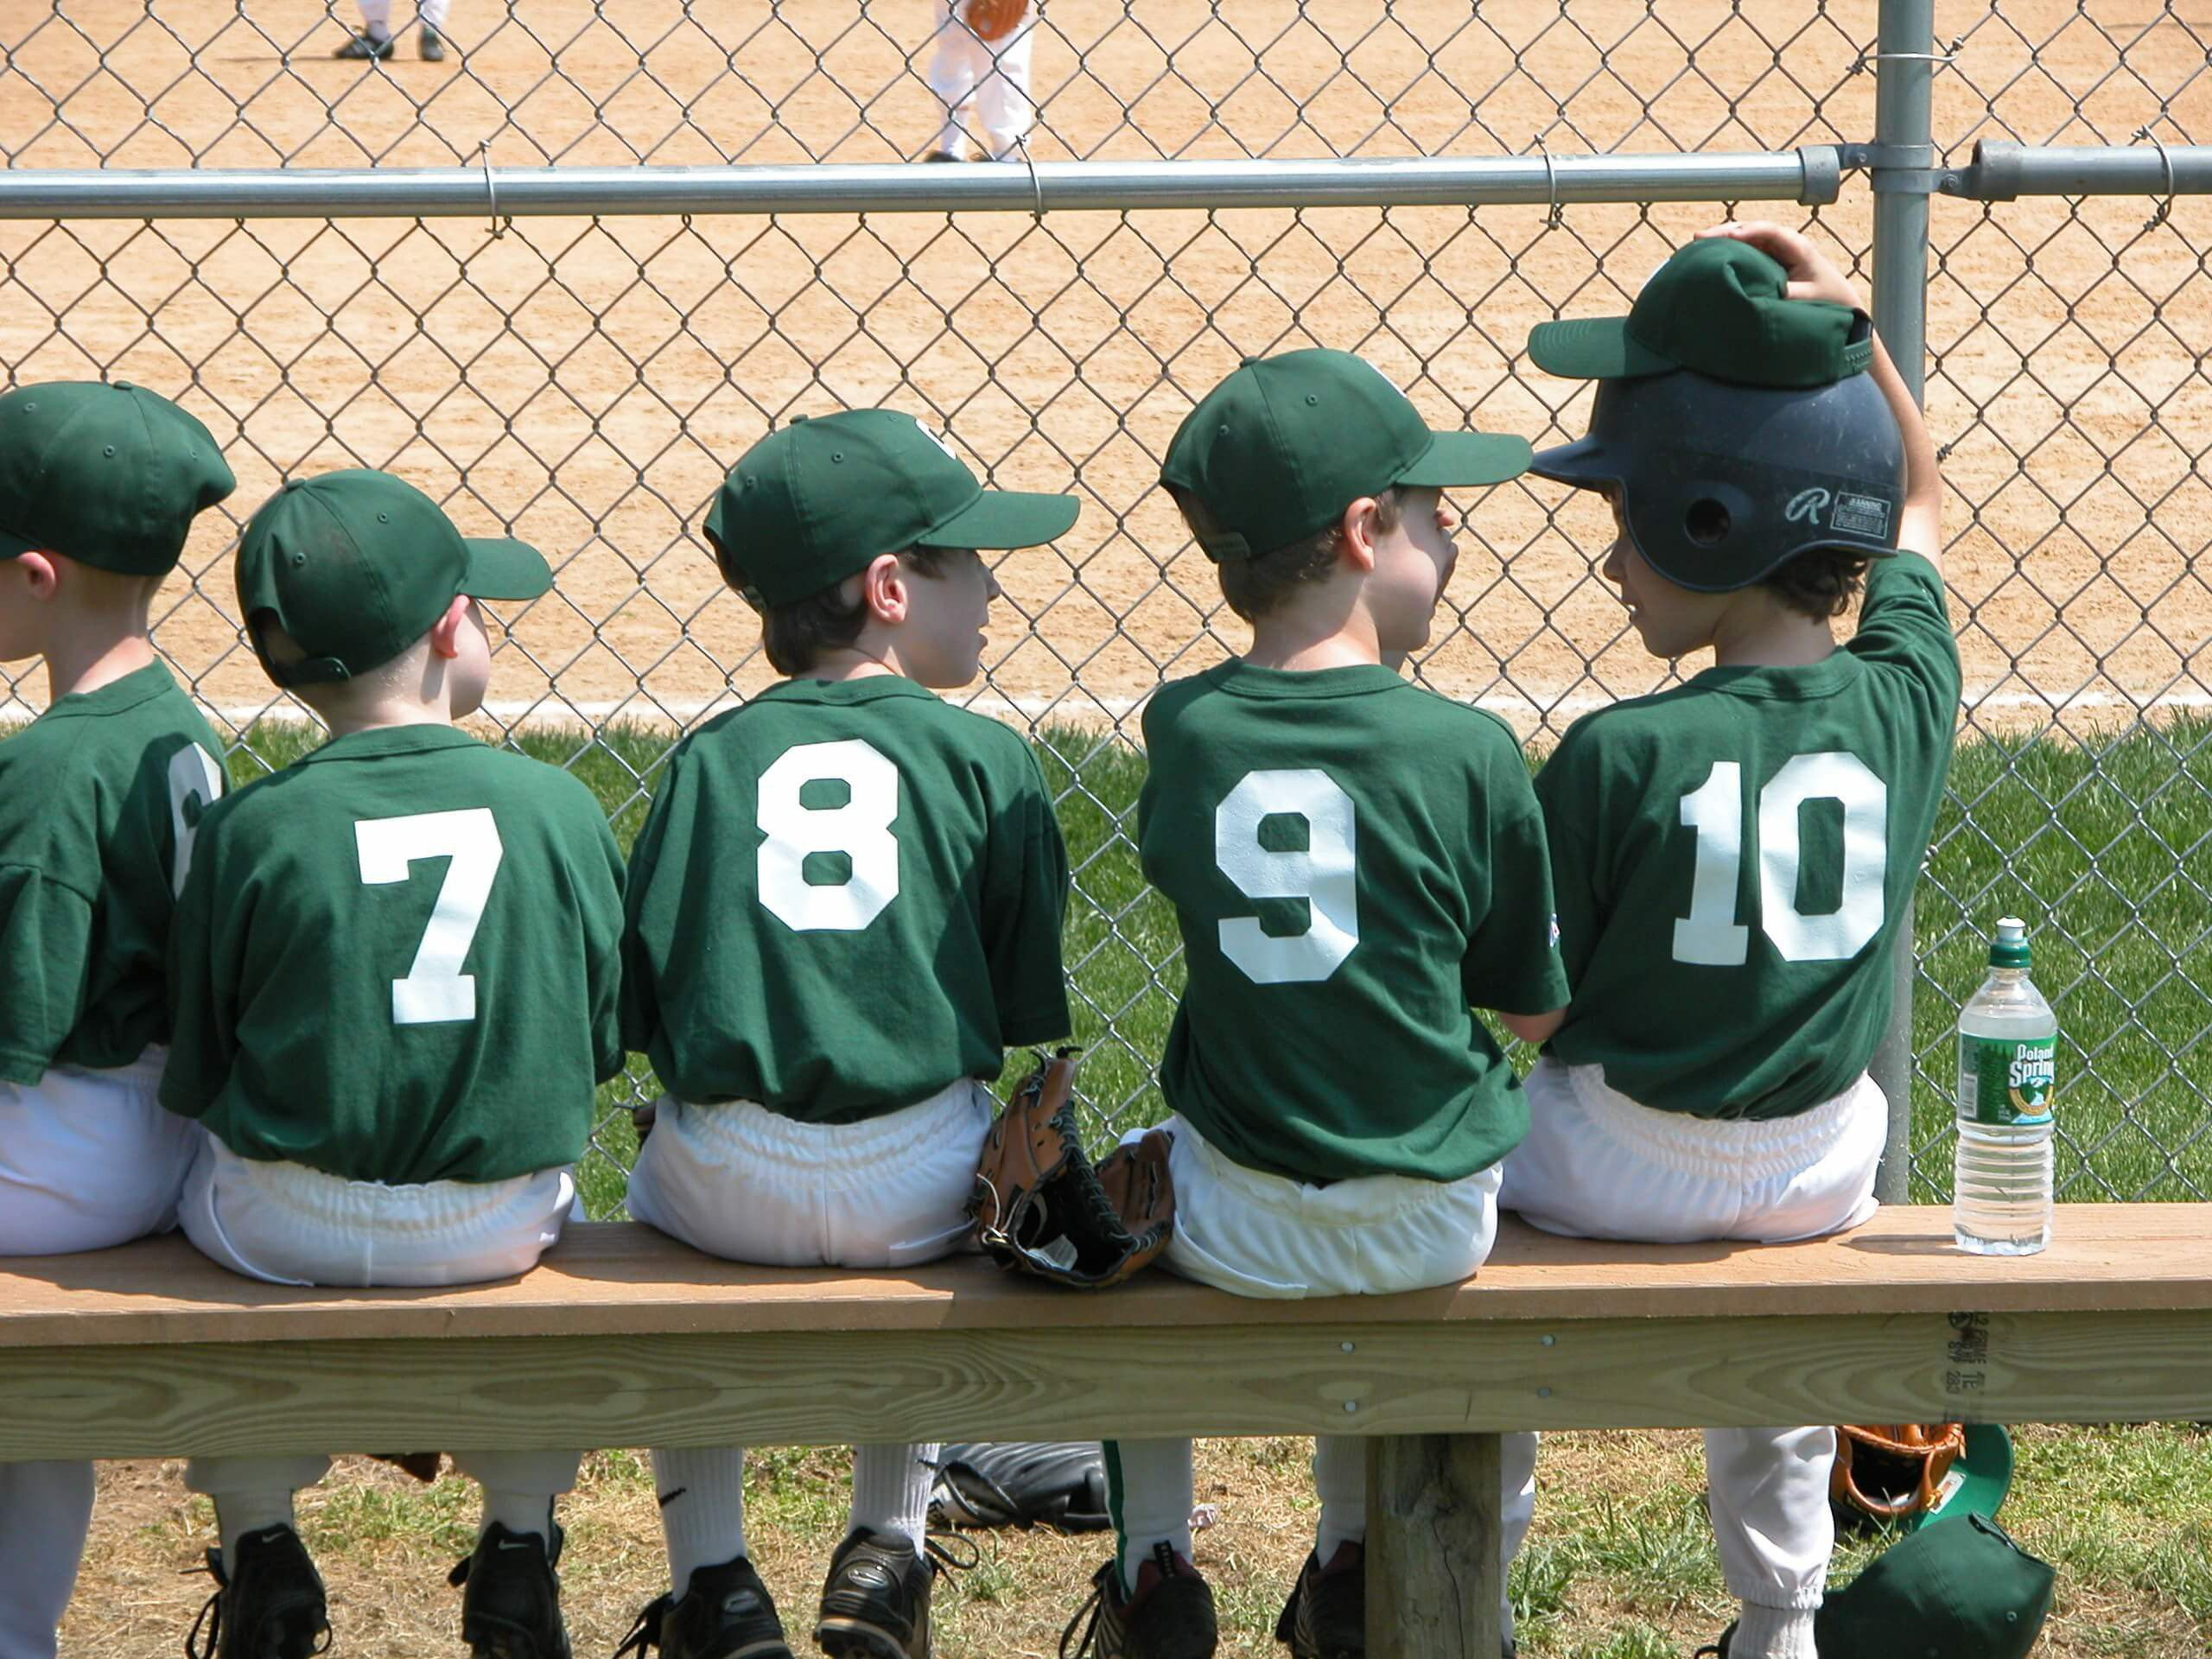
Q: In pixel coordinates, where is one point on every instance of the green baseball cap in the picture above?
(110, 475)
(1977, 1481)
(1280, 448)
(1963, 1590)
(1720, 308)
(811, 505)
(357, 566)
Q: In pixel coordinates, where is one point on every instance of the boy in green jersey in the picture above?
(99, 798)
(1747, 841)
(1354, 864)
(395, 980)
(844, 906)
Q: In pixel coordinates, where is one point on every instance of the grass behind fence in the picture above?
(2103, 847)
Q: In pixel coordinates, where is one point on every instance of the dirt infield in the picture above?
(585, 384)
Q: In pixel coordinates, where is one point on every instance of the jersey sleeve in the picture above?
(1567, 816)
(202, 987)
(1513, 962)
(1904, 625)
(646, 914)
(1025, 908)
(46, 939)
(603, 919)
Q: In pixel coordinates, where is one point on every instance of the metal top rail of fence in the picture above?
(563, 277)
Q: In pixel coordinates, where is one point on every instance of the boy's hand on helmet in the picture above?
(1813, 275)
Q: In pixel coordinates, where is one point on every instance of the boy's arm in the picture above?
(1512, 965)
(603, 923)
(46, 939)
(1814, 276)
(1025, 912)
(199, 1024)
(641, 940)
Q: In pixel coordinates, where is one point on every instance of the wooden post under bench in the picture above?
(1434, 1522)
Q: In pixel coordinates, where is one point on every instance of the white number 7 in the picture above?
(435, 989)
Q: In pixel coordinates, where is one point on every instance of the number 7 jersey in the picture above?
(1733, 855)
(399, 960)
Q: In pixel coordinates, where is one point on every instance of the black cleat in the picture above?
(1170, 1617)
(361, 49)
(876, 1603)
(726, 1613)
(434, 46)
(267, 1603)
(1326, 1615)
(512, 1607)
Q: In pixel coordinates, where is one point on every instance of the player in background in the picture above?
(979, 69)
(1732, 856)
(376, 41)
(99, 796)
(844, 906)
(1354, 864)
(394, 976)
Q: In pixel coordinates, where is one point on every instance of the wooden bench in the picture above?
(622, 1337)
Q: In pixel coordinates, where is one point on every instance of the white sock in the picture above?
(1772, 1633)
(239, 1513)
(1340, 1482)
(891, 1489)
(376, 19)
(701, 1508)
(520, 1513)
(1150, 1483)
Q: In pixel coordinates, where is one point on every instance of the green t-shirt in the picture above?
(847, 896)
(99, 800)
(1732, 857)
(1353, 862)
(399, 960)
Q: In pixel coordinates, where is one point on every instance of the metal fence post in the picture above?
(1904, 158)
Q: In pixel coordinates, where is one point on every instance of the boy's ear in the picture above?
(886, 588)
(1357, 545)
(40, 575)
(445, 632)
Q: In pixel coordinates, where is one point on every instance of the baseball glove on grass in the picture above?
(993, 20)
(1040, 1206)
(1022, 1484)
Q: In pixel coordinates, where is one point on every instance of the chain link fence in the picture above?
(583, 381)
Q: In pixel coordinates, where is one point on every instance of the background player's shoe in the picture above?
(267, 1603)
(512, 1607)
(1170, 1617)
(725, 1613)
(1719, 1648)
(433, 45)
(361, 47)
(1326, 1615)
(876, 1604)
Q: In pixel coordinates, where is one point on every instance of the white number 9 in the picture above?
(1323, 874)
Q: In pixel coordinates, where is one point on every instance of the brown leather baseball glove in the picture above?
(993, 20)
(1040, 1206)
(1887, 1472)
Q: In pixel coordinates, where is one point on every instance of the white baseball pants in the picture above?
(1597, 1165)
(984, 86)
(376, 17)
(748, 1184)
(88, 1160)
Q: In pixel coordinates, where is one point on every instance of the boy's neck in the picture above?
(1771, 638)
(389, 716)
(78, 662)
(1321, 627)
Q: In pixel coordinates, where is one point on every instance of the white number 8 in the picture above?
(196, 784)
(1323, 874)
(860, 829)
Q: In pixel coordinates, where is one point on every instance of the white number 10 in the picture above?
(435, 989)
(1711, 936)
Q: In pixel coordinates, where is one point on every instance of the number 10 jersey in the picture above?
(1733, 856)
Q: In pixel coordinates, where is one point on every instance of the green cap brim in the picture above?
(1457, 460)
(1592, 348)
(1000, 519)
(1586, 463)
(1978, 1481)
(498, 568)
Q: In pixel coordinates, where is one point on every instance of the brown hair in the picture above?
(796, 634)
(1256, 585)
(1822, 583)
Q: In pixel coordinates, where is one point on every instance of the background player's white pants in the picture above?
(984, 86)
(88, 1160)
(744, 1183)
(291, 1225)
(375, 15)
(1259, 1235)
(1596, 1165)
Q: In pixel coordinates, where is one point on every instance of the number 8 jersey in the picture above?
(846, 897)
(1732, 857)
(1353, 862)
(399, 960)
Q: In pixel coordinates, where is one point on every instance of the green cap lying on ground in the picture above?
(1963, 1590)
(1717, 307)
(1278, 450)
(822, 499)
(357, 566)
(112, 476)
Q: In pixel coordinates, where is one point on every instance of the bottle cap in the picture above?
(2010, 947)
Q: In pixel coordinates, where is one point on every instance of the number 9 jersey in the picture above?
(1732, 857)
(847, 896)
(398, 960)
(1354, 862)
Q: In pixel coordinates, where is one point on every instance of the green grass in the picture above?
(2104, 847)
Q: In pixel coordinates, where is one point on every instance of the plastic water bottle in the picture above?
(2008, 1037)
